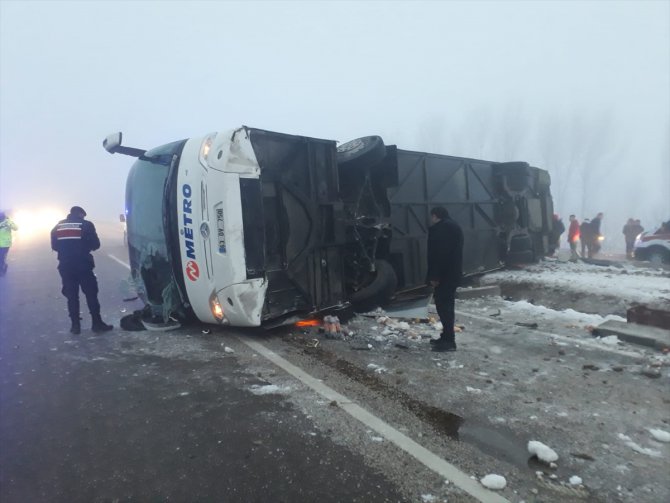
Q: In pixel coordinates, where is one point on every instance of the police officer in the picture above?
(74, 239)
(7, 225)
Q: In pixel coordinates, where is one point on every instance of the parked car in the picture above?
(654, 247)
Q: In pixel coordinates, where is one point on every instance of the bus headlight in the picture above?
(205, 149)
(217, 310)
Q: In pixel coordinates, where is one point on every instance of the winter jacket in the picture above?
(445, 252)
(74, 239)
(595, 226)
(6, 228)
(573, 231)
(630, 231)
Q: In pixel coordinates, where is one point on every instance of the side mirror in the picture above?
(112, 142)
(122, 218)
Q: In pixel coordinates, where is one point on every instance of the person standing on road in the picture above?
(585, 236)
(7, 225)
(557, 228)
(445, 268)
(573, 237)
(629, 233)
(596, 236)
(74, 239)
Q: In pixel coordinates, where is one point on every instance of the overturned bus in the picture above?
(248, 227)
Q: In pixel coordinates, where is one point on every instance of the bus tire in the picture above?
(361, 152)
(380, 291)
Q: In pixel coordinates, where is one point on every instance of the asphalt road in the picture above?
(139, 417)
(176, 416)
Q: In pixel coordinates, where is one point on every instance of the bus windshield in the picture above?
(149, 222)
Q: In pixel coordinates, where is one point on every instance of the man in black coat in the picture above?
(445, 268)
(74, 239)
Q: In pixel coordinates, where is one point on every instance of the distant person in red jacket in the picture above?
(573, 237)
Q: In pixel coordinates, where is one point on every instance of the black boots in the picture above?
(99, 325)
(75, 329)
(444, 346)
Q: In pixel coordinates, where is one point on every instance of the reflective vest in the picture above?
(6, 228)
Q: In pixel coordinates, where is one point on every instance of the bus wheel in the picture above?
(361, 152)
(379, 291)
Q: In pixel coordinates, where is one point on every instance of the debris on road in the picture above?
(543, 452)
(493, 481)
(575, 480)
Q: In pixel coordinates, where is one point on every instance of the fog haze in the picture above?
(579, 88)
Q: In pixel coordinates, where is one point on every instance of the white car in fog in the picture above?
(654, 247)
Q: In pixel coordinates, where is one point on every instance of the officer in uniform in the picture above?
(74, 239)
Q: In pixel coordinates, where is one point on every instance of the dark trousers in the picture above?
(445, 303)
(76, 276)
(630, 245)
(3, 258)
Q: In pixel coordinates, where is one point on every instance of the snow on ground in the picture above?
(660, 435)
(567, 316)
(493, 481)
(269, 389)
(543, 452)
(626, 281)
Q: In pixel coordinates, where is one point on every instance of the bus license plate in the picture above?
(220, 230)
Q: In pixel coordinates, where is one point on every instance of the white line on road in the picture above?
(423, 455)
(124, 264)
(571, 340)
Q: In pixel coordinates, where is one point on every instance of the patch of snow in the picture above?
(428, 498)
(660, 435)
(377, 368)
(493, 481)
(609, 340)
(228, 350)
(569, 316)
(543, 452)
(377, 439)
(575, 480)
(474, 391)
(640, 284)
(638, 448)
(269, 389)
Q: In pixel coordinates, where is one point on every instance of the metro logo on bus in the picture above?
(187, 229)
(192, 270)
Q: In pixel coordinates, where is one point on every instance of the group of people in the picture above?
(587, 233)
(73, 238)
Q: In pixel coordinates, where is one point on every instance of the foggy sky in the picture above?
(579, 88)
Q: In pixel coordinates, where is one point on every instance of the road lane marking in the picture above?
(124, 264)
(420, 453)
(565, 338)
